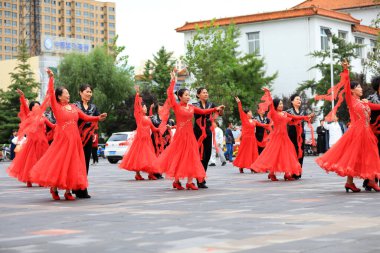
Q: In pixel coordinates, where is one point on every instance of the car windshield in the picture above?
(118, 137)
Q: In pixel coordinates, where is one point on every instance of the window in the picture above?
(111, 17)
(78, 29)
(47, 26)
(8, 31)
(78, 37)
(92, 23)
(85, 21)
(7, 40)
(68, 12)
(14, 6)
(85, 30)
(14, 41)
(68, 4)
(8, 48)
(253, 43)
(68, 20)
(91, 7)
(7, 5)
(324, 39)
(47, 18)
(111, 9)
(68, 28)
(47, 9)
(78, 13)
(78, 4)
(92, 31)
(91, 15)
(373, 45)
(8, 57)
(359, 51)
(342, 35)
(53, 27)
(85, 5)
(14, 32)
(86, 14)
(7, 23)
(14, 23)
(14, 15)
(112, 25)
(53, 19)
(78, 21)
(53, 11)
(7, 14)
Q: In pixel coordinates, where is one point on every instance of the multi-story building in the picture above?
(285, 39)
(37, 20)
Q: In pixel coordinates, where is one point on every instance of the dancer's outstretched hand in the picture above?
(137, 88)
(220, 108)
(102, 116)
(20, 92)
(49, 72)
(237, 99)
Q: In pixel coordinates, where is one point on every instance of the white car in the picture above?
(117, 145)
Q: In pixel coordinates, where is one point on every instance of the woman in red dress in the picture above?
(141, 155)
(182, 159)
(33, 126)
(355, 154)
(279, 154)
(63, 165)
(248, 151)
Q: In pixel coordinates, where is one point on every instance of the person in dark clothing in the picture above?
(230, 141)
(321, 140)
(90, 109)
(260, 117)
(13, 144)
(155, 118)
(94, 150)
(374, 98)
(292, 130)
(205, 121)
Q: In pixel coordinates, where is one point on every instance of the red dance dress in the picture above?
(248, 151)
(35, 146)
(356, 153)
(279, 154)
(63, 165)
(141, 155)
(181, 159)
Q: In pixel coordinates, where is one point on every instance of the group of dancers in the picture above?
(265, 146)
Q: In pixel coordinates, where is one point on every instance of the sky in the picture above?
(144, 26)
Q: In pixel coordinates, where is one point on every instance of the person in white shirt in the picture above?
(219, 137)
(336, 130)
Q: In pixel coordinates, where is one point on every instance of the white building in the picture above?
(286, 38)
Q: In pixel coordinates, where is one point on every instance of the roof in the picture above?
(261, 17)
(337, 4)
(366, 29)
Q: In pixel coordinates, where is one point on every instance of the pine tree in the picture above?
(22, 78)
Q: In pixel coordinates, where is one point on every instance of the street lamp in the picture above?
(329, 36)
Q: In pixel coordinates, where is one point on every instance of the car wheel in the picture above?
(113, 160)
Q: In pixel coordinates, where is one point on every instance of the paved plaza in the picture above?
(238, 213)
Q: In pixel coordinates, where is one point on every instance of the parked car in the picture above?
(117, 145)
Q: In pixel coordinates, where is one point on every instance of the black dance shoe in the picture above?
(202, 185)
(212, 164)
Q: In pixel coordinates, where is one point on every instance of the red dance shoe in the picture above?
(178, 186)
(68, 196)
(28, 184)
(152, 177)
(373, 186)
(352, 187)
(272, 177)
(288, 177)
(139, 177)
(191, 187)
(54, 194)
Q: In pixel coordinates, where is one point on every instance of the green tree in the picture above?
(112, 83)
(162, 64)
(21, 78)
(341, 50)
(214, 60)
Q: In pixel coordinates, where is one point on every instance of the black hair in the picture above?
(217, 123)
(199, 90)
(180, 92)
(321, 120)
(156, 105)
(83, 87)
(375, 83)
(246, 110)
(58, 92)
(292, 97)
(276, 102)
(32, 104)
(354, 84)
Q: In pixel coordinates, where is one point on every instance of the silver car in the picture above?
(117, 145)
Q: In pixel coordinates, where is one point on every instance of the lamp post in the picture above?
(329, 36)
